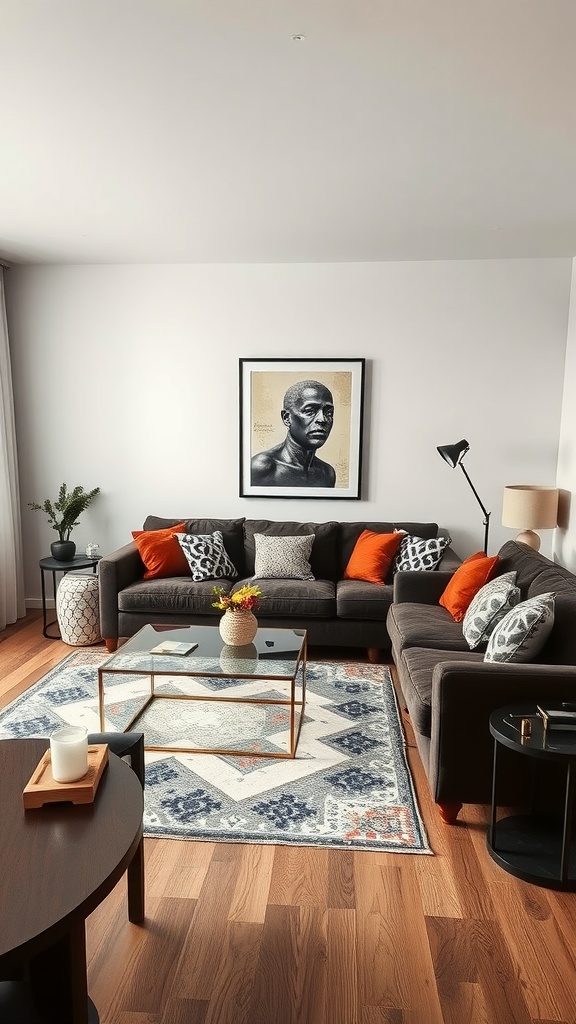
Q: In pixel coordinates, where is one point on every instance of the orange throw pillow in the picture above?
(161, 552)
(372, 556)
(468, 579)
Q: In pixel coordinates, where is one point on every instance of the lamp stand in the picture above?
(487, 514)
(530, 538)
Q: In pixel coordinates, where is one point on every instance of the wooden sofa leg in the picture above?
(449, 812)
(111, 645)
(374, 655)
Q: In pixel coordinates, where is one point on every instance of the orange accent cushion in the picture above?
(161, 552)
(372, 556)
(468, 579)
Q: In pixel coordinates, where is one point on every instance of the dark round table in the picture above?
(536, 846)
(59, 862)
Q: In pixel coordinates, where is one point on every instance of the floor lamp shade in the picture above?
(453, 453)
(528, 507)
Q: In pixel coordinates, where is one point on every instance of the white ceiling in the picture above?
(178, 131)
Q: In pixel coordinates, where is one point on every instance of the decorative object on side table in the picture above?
(63, 515)
(238, 626)
(69, 753)
(453, 455)
(528, 507)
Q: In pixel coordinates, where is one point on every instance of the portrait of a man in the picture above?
(308, 415)
(300, 427)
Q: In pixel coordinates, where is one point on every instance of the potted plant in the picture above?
(63, 516)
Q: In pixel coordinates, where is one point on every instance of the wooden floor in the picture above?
(242, 934)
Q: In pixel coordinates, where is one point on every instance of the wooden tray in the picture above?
(42, 789)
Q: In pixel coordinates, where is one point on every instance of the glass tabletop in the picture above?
(274, 653)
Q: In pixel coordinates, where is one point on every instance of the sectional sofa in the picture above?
(450, 690)
(334, 610)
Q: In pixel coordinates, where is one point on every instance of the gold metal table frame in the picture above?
(272, 646)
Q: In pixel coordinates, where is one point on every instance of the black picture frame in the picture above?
(334, 469)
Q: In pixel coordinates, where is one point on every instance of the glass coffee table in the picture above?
(241, 701)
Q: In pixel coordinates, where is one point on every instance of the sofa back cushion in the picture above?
(529, 565)
(536, 574)
(350, 532)
(323, 560)
(231, 530)
(560, 648)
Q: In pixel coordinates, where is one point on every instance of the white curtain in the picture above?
(12, 605)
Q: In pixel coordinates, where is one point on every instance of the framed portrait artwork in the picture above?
(301, 428)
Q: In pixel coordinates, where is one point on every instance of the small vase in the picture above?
(238, 628)
(239, 661)
(63, 550)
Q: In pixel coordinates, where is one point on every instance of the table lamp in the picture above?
(528, 507)
(453, 455)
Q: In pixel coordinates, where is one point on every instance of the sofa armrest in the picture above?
(115, 572)
(464, 695)
(420, 586)
(450, 561)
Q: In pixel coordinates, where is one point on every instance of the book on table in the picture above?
(557, 719)
(173, 647)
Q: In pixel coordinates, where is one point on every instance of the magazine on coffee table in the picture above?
(173, 647)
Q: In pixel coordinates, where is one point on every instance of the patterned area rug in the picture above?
(349, 786)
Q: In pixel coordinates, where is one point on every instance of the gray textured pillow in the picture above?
(417, 553)
(283, 557)
(523, 631)
(488, 607)
(206, 555)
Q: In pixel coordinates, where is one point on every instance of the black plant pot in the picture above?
(63, 550)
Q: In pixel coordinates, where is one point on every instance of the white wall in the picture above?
(565, 537)
(126, 377)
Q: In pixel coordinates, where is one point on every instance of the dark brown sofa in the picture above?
(334, 611)
(450, 691)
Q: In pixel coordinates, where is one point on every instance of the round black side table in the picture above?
(54, 566)
(534, 846)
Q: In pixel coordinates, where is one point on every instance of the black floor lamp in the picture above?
(453, 455)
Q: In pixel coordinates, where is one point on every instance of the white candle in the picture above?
(69, 753)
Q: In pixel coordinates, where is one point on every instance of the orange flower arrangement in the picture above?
(246, 599)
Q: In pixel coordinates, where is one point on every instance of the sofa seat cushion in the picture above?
(179, 594)
(357, 599)
(298, 599)
(424, 625)
(416, 671)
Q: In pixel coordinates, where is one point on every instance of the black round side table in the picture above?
(54, 566)
(535, 846)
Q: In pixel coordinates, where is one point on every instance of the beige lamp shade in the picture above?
(529, 507)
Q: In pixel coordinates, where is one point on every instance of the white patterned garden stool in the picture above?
(78, 609)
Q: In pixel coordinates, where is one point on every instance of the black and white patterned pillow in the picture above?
(283, 557)
(206, 555)
(417, 553)
(522, 633)
(488, 607)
